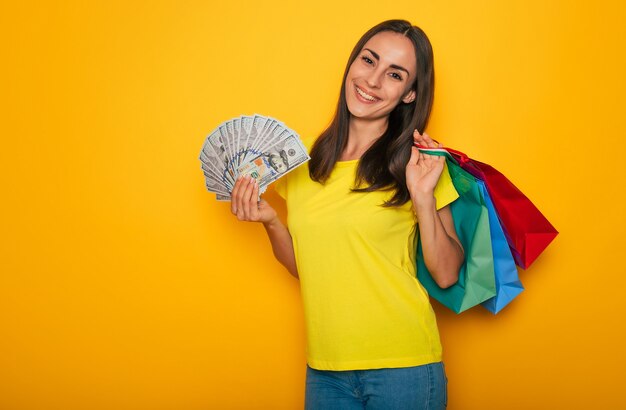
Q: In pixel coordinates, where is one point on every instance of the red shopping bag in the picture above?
(528, 232)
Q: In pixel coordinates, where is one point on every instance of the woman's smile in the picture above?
(366, 97)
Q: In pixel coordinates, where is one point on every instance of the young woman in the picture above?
(354, 215)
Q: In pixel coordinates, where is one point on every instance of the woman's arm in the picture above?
(244, 204)
(443, 253)
(282, 245)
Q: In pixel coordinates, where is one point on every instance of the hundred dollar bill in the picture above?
(215, 185)
(254, 126)
(213, 154)
(237, 135)
(256, 145)
(209, 169)
(260, 169)
(247, 122)
(266, 128)
(226, 140)
(287, 154)
(215, 148)
(273, 136)
(270, 165)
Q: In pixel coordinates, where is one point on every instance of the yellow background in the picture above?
(125, 285)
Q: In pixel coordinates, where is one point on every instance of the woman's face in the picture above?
(381, 76)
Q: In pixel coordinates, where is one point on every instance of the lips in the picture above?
(364, 96)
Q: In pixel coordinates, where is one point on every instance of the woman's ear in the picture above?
(409, 97)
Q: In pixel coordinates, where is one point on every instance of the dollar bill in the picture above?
(287, 154)
(259, 146)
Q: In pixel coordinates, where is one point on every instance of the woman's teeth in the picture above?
(364, 95)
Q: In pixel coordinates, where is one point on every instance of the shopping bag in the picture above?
(528, 232)
(471, 220)
(508, 285)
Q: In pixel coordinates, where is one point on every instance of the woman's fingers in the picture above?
(417, 137)
(234, 195)
(425, 140)
(239, 199)
(423, 158)
(254, 206)
(422, 139)
(245, 200)
(238, 196)
(428, 141)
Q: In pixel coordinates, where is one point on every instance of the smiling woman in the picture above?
(372, 338)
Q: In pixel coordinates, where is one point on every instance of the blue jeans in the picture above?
(405, 388)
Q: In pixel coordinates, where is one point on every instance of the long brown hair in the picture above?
(383, 165)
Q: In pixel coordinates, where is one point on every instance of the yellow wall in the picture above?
(125, 285)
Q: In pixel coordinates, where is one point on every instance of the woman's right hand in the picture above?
(245, 204)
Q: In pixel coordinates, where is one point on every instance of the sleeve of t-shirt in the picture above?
(445, 193)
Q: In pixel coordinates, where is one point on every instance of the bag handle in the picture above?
(463, 158)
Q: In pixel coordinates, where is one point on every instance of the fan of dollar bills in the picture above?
(260, 146)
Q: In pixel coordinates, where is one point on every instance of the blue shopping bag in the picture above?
(508, 285)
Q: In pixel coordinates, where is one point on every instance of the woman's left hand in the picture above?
(423, 170)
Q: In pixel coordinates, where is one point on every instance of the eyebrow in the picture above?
(397, 67)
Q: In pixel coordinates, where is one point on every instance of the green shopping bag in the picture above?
(471, 219)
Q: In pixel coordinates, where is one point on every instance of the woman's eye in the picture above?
(396, 76)
(367, 59)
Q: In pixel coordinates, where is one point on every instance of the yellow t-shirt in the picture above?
(363, 305)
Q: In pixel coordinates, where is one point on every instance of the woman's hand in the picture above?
(423, 170)
(245, 204)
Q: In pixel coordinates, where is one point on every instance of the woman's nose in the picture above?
(373, 80)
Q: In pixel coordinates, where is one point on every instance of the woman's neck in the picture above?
(361, 135)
